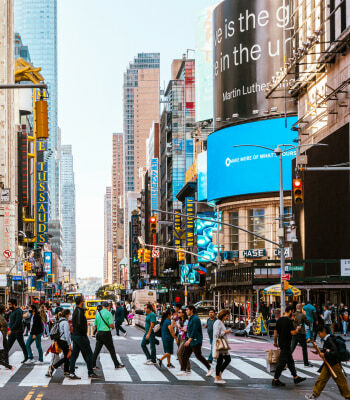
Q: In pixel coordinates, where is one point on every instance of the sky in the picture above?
(96, 41)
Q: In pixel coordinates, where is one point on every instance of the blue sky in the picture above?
(96, 41)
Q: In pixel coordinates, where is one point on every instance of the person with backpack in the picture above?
(334, 351)
(16, 328)
(63, 338)
(119, 318)
(35, 334)
(104, 325)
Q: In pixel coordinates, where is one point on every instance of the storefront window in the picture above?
(256, 224)
(234, 237)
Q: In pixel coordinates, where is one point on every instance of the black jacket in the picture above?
(331, 351)
(37, 327)
(16, 321)
(79, 321)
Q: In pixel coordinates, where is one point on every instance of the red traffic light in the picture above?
(153, 220)
(297, 183)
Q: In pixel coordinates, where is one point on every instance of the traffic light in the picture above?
(180, 255)
(140, 254)
(298, 191)
(285, 285)
(153, 224)
(147, 256)
(27, 266)
(42, 120)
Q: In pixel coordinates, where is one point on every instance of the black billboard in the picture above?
(248, 52)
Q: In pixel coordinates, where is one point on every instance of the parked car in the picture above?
(204, 306)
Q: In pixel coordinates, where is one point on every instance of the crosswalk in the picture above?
(241, 369)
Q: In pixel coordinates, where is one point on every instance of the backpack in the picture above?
(343, 352)
(55, 331)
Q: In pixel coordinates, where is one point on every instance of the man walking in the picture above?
(80, 340)
(16, 328)
(209, 325)
(300, 337)
(104, 324)
(283, 334)
(149, 336)
(311, 315)
(331, 353)
(195, 339)
(119, 318)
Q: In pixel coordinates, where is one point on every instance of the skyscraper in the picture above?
(36, 22)
(107, 256)
(68, 209)
(117, 204)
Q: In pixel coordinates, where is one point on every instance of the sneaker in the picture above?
(39, 363)
(50, 371)
(219, 381)
(149, 362)
(183, 373)
(119, 366)
(278, 383)
(160, 363)
(210, 372)
(94, 376)
(310, 396)
(171, 366)
(29, 361)
(125, 334)
(96, 367)
(308, 365)
(66, 374)
(74, 377)
(299, 380)
(24, 361)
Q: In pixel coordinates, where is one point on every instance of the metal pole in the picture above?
(23, 86)
(283, 269)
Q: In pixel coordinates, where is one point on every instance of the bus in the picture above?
(71, 296)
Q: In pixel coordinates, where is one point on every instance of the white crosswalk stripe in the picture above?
(119, 338)
(241, 368)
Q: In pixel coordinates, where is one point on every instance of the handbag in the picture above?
(273, 356)
(221, 344)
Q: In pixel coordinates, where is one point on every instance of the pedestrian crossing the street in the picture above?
(241, 369)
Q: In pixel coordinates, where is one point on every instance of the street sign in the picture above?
(4, 196)
(155, 253)
(345, 267)
(3, 280)
(285, 277)
(7, 253)
(294, 268)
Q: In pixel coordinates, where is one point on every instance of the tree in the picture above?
(108, 292)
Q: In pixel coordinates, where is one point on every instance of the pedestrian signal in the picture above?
(147, 256)
(298, 191)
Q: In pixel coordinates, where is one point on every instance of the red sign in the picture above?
(7, 253)
(285, 277)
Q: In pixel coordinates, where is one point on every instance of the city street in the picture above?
(246, 376)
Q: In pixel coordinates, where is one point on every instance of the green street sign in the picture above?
(296, 268)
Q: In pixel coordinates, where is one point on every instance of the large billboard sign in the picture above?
(154, 184)
(248, 52)
(235, 171)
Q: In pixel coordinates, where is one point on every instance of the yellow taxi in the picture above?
(91, 308)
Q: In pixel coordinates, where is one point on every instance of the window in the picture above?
(256, 224)
(234, 232)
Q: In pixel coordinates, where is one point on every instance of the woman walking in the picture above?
(35, 334)
(64, 343)
(168, 336)
(221, 354)
(181, 340)
(4, 354)
(43, 316)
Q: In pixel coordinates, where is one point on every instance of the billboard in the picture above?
(48, 262)
(204, 65)
(245, 170)
(202, 176)
(206, 250)
(192, 276)
(248, 52)
(154, 184)
(189, 211)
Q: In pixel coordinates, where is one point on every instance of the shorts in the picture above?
(168, 346)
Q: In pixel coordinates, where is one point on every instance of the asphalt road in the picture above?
(246, 377)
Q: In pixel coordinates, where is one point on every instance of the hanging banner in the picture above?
(189, 211)
(154, 184)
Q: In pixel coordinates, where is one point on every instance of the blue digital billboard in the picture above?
(235, 171)
(206, 250)
(192, 276)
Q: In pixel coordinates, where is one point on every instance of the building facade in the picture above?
(108, 238)
(68, 218)
(36, 22)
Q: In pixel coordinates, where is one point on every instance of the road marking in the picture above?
(136, 337)
(248, 369)
(83, 374)
(29, 395)
(287, 373)
(235, 341)
(307, 369)
(15, 361)
(119, 338)
(226, 375)
(110, 373)
(193, 377)
(147, 373)
(36, 377)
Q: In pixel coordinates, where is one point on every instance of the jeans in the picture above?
(65, 348)
(37, 340)
(301, 339)
(197, 350)
(152, 342)
(285, 358)
(19, 337)
(210, 358)
(118, 327)
(345, 327)
(105, 339)
(81, 344)
(222, 363)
